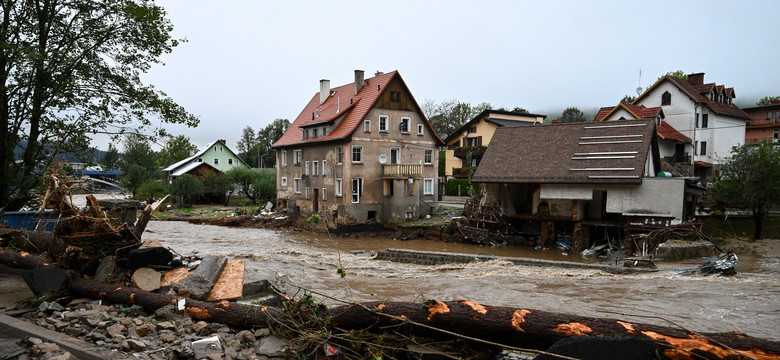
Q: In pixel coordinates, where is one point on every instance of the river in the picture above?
(748, 302)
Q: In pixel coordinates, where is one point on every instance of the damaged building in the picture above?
(582, 183)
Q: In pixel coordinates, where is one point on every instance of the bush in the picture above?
(186, 186)
(466, 187)
(151, 189)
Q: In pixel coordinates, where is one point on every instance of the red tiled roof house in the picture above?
(358, 153)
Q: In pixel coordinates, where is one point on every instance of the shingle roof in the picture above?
(639, 111)
(342, 101)
(194, 158)
(573, 153)
(668, 132)
(695, 94)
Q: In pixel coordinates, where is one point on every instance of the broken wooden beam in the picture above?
(198, 284)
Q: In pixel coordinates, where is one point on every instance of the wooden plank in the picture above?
(173, 276)
(230, 283)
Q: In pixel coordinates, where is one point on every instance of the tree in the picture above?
(266, 185)
(185, 187)
(265, 138)
(71, 68)
(677, 74)
(767, 100)
(247, 141)
(176, 149)
(572, 114)
(751, 175)
(628, 99)
(246, 180)
(152, 189)
(218, 184)
(138, 162)
(110, 160)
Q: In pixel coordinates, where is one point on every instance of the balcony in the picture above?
(463, 172)
(476, 151)
(402, 170)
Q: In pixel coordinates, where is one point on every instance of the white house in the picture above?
(705, 113)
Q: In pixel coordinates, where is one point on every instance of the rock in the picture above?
(106, 268)
(146, 279)
(245, 336)
(166, 312)
(35, 340)
(65, 356)
(115, 330)
(59, 325)
(49, 307)
(165, 325)
(96, 336)
(132, 345)
(202, 280)
(201, 348)
(142, 330)
(45, 280)
(262, 332)
(271, 346)
(168, 336)
(139, 258)
(44, 348)
(198, 326)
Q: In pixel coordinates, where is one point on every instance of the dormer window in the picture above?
(666, 98)
(314, 133)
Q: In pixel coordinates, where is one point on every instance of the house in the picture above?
(357, 153)
(467, 144)
(216, 157)
(764, 123)
(674, 147)
(581, 181)
(703, 112)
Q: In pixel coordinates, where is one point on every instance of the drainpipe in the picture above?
(693, 156)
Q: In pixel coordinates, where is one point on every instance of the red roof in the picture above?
(342, 101)
(668, 132)
(638, 111)
(696, 92)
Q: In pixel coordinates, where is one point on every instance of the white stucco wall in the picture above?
(656, 196)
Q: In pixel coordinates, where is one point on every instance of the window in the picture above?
(297, 157)
(704, 120)
(307, 168)
(284, 158)
(769, 115)
(324, 168)
(382, 123)
(473, 129)
(314, 133)
(216, 161)
(230, 162)
(297, 185)
(395, 156)
(324, 132)
(395, 96)
(305, 134)
(472, 141)
(777, 117)
(428, 187)
(200, 159)
(339, 186)
(420, 129)
(703, 148)
(404, 127)
(367, 126)
(324, 194)
(307, 192)
(221, 148)
(339, 155)
(284, 181)
(428, 156)
(357, 154)
(357, 190)
(774, 134)
(666, 98)
(697, 120)
(315, 167)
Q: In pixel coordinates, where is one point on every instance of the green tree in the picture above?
(218, 184)
(185, 187)
(751, 175)
(246, 180)
(677, 74)
(767, 100)
(138, 162)
(176, 149)
(245, 144)
(266, 186)
(72, 68)
(265, 138)
(572, 114)
(628, 99)
(152, 189)
(111, 158)
(442, 162)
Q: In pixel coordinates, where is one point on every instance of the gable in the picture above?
(396, 97)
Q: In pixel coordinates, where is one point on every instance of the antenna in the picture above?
(639, 83)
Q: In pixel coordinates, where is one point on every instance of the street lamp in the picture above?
(261, 160)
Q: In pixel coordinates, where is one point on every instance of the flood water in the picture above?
(748, 302)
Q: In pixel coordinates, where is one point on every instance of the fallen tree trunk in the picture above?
(146, 215)
(509, 326)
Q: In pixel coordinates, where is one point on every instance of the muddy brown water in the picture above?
(748, 302)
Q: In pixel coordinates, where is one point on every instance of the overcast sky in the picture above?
(247, 63)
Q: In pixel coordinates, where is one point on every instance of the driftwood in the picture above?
(505, 325)
(146, 215)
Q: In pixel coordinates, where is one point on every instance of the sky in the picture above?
(246, 63)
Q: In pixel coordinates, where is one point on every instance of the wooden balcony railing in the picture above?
(402, 170)
(476, 151)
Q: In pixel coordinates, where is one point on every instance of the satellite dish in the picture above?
(639, 90)
(382, 159)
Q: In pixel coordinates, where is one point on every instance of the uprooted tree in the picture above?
(69, 69)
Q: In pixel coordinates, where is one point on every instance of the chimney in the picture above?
(696, 78)
(324, 90)
(223, 141)
(358, 80)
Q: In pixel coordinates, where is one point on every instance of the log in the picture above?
(202, 280)
(146, 215)
(509, 326)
